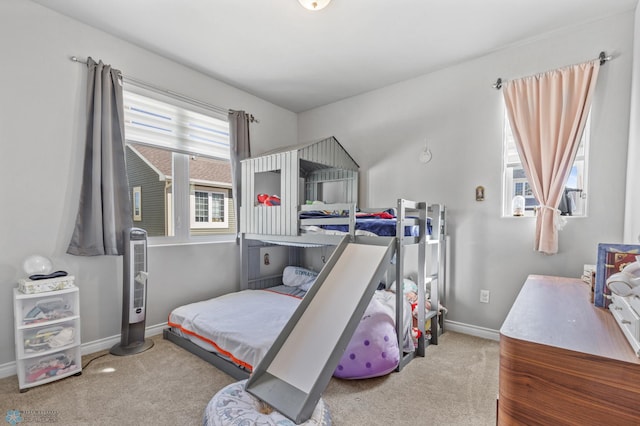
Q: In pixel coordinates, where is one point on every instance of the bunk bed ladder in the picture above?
(438, 278)
(297, 368)
(401, 241)
(439, 283)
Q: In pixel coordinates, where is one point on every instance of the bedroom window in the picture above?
(515, 183)
(178, 161)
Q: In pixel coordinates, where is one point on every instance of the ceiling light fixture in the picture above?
(314, 4)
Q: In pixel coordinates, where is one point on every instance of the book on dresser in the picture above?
(612, 258)
(615, 262)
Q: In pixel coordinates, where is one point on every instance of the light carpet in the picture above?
(455, 384)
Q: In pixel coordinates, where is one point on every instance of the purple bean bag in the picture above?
(373, 349)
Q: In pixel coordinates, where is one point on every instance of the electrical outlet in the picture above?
(484, 296)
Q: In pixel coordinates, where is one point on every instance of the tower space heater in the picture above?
(134, 295)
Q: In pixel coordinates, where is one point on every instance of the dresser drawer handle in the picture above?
(625, 321)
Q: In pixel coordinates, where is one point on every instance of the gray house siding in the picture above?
(152, 195)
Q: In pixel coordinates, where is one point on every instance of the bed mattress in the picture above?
(239, 326)
(242, 326)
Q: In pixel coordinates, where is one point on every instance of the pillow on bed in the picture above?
(295, 276)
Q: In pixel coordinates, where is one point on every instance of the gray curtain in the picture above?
(240, 149)
(105, 205)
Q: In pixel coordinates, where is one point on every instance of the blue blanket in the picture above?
(370, 223)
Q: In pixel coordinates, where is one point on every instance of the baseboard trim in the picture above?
(473, 330)
(10, 369)
(108, 342)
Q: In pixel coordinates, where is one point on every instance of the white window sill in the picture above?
(172, 242)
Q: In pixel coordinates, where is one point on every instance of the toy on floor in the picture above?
(234, 406)
(373, 348)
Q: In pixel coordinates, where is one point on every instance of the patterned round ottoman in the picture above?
(234, 406)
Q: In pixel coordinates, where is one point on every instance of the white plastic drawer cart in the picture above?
(47, 336)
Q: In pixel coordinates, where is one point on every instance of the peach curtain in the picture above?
(548, 113)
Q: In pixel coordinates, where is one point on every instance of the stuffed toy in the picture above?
(411, 293)
(268, 200)
(415, 335)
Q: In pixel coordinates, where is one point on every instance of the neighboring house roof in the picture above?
(200, 168)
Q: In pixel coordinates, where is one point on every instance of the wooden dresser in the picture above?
(564, 361)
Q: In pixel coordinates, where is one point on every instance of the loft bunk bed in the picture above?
(280, 234)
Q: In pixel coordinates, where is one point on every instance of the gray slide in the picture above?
(298, 366)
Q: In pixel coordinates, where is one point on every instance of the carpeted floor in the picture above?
(455, 384)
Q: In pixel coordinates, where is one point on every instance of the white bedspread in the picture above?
(242, 326)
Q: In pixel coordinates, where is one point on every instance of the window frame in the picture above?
(210, 224)
(179, 216)
(581, 163)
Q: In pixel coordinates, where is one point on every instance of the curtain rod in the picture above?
(146, 85)
(602, 57)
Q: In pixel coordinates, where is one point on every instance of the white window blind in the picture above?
(153, 122)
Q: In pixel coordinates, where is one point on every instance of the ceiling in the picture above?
(299, 59)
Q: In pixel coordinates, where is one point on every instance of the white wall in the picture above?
(461, 116)
(632, 201)
(41, 128)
